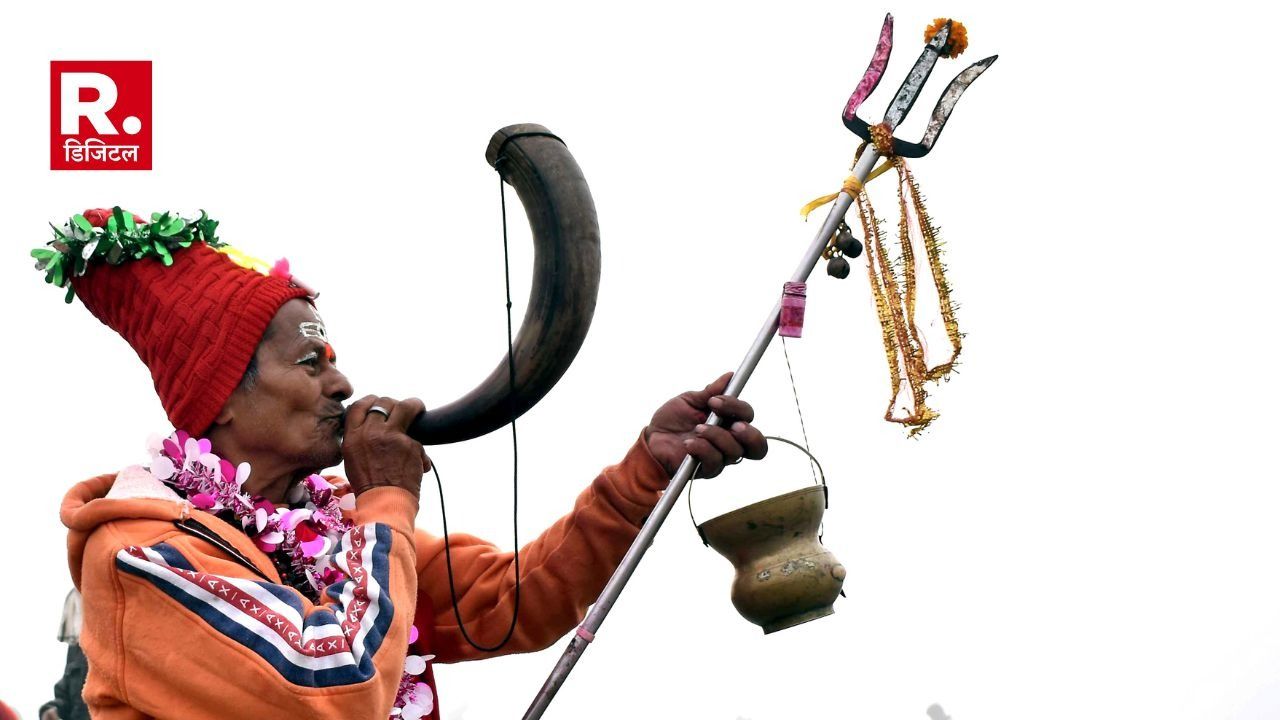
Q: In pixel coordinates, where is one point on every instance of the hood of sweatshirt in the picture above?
(131, 493)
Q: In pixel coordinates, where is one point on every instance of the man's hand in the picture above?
(375, 448)
(678, 429)
(49, 714)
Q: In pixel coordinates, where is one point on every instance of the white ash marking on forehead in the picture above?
(313, 330)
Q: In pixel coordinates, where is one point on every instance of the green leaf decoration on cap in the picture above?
(77, 246)
(167, 225)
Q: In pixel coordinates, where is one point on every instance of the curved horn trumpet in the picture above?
(566, 280)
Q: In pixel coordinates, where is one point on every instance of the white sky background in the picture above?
(1088, 531)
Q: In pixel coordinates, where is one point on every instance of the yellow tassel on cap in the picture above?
(245, 260)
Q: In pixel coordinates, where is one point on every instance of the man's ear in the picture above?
(228, 411)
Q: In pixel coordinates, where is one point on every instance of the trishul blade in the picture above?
(909, 91)
(875, 70)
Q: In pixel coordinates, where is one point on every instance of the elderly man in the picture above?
(228, 579)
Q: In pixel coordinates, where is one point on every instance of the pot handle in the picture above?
(826, 499)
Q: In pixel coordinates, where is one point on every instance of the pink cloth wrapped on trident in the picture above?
(791, 320)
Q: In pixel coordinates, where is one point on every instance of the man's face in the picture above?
(292, 412)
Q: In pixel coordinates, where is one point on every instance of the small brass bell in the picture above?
(783, 574)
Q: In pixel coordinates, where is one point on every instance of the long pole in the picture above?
(591, 624)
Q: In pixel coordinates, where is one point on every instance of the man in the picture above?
(228, 580)
(67, 703)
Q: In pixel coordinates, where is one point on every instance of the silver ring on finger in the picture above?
(381, 411)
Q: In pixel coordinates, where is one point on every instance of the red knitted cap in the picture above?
(196, 324)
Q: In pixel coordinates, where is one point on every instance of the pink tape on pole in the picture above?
(791, 319)
(585, 634)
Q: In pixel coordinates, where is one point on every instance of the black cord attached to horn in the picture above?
(515, 450)
(499, 157)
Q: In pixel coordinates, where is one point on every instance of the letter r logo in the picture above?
(95, 111)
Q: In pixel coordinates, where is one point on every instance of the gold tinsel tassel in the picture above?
(895, 286)
(895, 290)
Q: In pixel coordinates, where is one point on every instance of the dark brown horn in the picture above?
(566, 279)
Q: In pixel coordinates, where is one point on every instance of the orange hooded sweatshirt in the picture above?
(191, 620)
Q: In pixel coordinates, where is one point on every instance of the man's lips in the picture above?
(339, 419)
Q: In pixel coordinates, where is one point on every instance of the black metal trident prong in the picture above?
(910, 90)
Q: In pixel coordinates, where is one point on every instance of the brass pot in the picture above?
(785, 577)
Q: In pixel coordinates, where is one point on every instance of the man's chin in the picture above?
(333, 458)
(329, 448)
(326, 455)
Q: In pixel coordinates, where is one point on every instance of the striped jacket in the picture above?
(190, 620)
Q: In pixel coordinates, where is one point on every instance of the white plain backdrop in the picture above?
(1089, 530)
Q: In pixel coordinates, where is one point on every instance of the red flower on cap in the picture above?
(98, 217)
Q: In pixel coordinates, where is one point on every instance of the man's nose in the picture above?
(339, 387)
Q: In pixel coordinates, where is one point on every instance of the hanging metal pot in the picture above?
(783, 574)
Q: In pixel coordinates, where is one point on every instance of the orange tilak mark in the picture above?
(329, 354)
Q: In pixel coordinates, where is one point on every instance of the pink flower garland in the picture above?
(305, 535)
(414, 699)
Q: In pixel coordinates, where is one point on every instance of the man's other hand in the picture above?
(679, 428)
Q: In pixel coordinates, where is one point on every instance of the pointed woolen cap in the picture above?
(195, 324)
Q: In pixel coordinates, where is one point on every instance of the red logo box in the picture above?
(100, 117)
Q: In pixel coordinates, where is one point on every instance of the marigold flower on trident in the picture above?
(957, 39)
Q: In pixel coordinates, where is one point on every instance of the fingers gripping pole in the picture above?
(591, 625)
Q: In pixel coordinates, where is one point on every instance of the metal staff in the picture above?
(898, 109)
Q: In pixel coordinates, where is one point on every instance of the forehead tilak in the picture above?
(313, 328)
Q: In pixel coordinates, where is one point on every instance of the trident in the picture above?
(898, 109)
